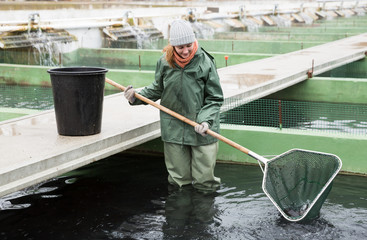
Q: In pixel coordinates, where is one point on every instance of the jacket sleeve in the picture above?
(213, 97)
(155, 89)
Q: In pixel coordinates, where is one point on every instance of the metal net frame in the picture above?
(299, 181)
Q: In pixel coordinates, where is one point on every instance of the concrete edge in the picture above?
(112, 145)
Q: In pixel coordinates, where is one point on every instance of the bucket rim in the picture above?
(76, 70)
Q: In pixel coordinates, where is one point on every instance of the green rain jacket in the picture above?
(193, 91)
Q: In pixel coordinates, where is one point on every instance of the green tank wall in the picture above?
(356, 69)
(319, 89)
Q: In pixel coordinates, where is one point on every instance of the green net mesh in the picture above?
(299, 181)
(301, 115)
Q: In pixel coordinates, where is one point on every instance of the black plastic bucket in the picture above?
(78, 99)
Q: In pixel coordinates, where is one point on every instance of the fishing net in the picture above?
(298, 182)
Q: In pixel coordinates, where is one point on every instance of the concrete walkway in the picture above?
(32, 151)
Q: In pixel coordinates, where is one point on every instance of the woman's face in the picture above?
(184, 50)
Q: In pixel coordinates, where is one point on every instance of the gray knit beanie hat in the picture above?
(181, 33)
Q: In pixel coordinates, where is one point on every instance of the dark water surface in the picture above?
(127, 197)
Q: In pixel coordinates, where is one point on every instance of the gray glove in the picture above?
(202, 128)
(129, 94)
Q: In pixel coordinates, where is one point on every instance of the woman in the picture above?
(187, 82)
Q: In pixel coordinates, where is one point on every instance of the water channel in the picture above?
(127, 197)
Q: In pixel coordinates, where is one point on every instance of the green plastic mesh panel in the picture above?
(315, 116)
(300, 180)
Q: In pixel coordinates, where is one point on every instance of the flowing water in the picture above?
(127, 197)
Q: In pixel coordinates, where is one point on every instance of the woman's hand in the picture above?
(202, 128)
(129, 93)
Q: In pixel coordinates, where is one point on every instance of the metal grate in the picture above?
(315, 116)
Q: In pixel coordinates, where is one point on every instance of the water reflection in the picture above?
(43, 190)
(189, 213)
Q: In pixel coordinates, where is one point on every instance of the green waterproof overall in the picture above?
(194, 92)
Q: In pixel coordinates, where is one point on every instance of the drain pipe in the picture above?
(33, 19)
(275, 9)
(129, 19)
(242, 14)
